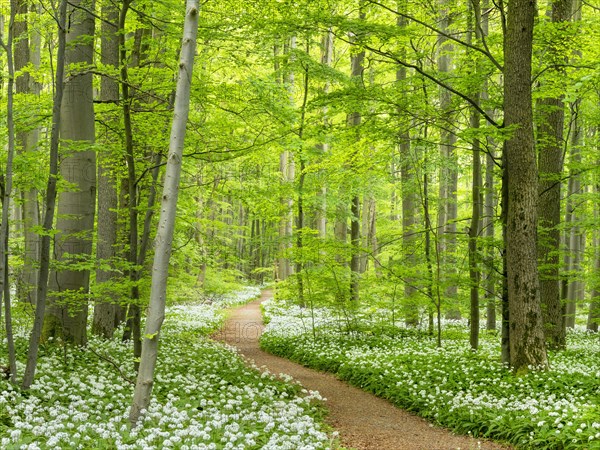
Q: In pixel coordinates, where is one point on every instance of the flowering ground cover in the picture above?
(205, 397)
(471, 393)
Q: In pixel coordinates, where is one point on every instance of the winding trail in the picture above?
(363, 420)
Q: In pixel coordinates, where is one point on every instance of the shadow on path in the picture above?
(363, 420)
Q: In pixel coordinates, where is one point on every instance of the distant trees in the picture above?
(358, 152)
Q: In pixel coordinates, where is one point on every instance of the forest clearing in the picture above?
(415, 184)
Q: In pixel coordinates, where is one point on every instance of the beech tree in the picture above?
(68, 310)
(168, 212)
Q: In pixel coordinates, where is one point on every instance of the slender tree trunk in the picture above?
(448, 183)
(301, 181)
(593, 319)
(6, 197)
(574, 238)
(408, 181)
(354, 121)
(288, 174)
(44, 258)
(27, 51)
(164, 237)
(476, 197)
(527, 344)
(488, 234)
(134, 313)
(327, 60)
(474, 229)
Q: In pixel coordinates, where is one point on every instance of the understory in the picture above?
(204, 396)
(468, 392)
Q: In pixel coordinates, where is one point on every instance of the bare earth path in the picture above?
(363, 420)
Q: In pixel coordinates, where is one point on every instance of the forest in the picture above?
(406, 193)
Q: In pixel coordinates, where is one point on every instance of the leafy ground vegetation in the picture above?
(471, 393)
(205, 397)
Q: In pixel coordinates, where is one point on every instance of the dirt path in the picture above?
(363, 420)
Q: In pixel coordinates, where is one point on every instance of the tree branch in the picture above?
(485, 51)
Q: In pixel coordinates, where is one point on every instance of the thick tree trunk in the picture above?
(68, 311)
(527, 344)
(166, 225)
(107, 311)
(550, 166)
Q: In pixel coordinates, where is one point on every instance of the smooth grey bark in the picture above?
(168, 213)
(574, 237)
(527, 343)
(51, 191)
(107, 310)
(68, 311)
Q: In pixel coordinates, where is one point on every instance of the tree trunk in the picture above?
(107, 311)
(474, 229)
(288, 174)
(574, 238)
(24, 54)
(448, 182)
(408, 181)
(321, 213)
(301, 182)
(44, 255)
(68, 311)
(593, 319)
(354, 121)
(6, 197)
(476, 197)
(550, 165)
(527, 344)
(505, 310)
(166, 225)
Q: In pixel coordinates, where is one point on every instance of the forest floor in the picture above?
(363, 420)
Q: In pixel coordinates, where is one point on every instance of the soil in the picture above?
(363, 420)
